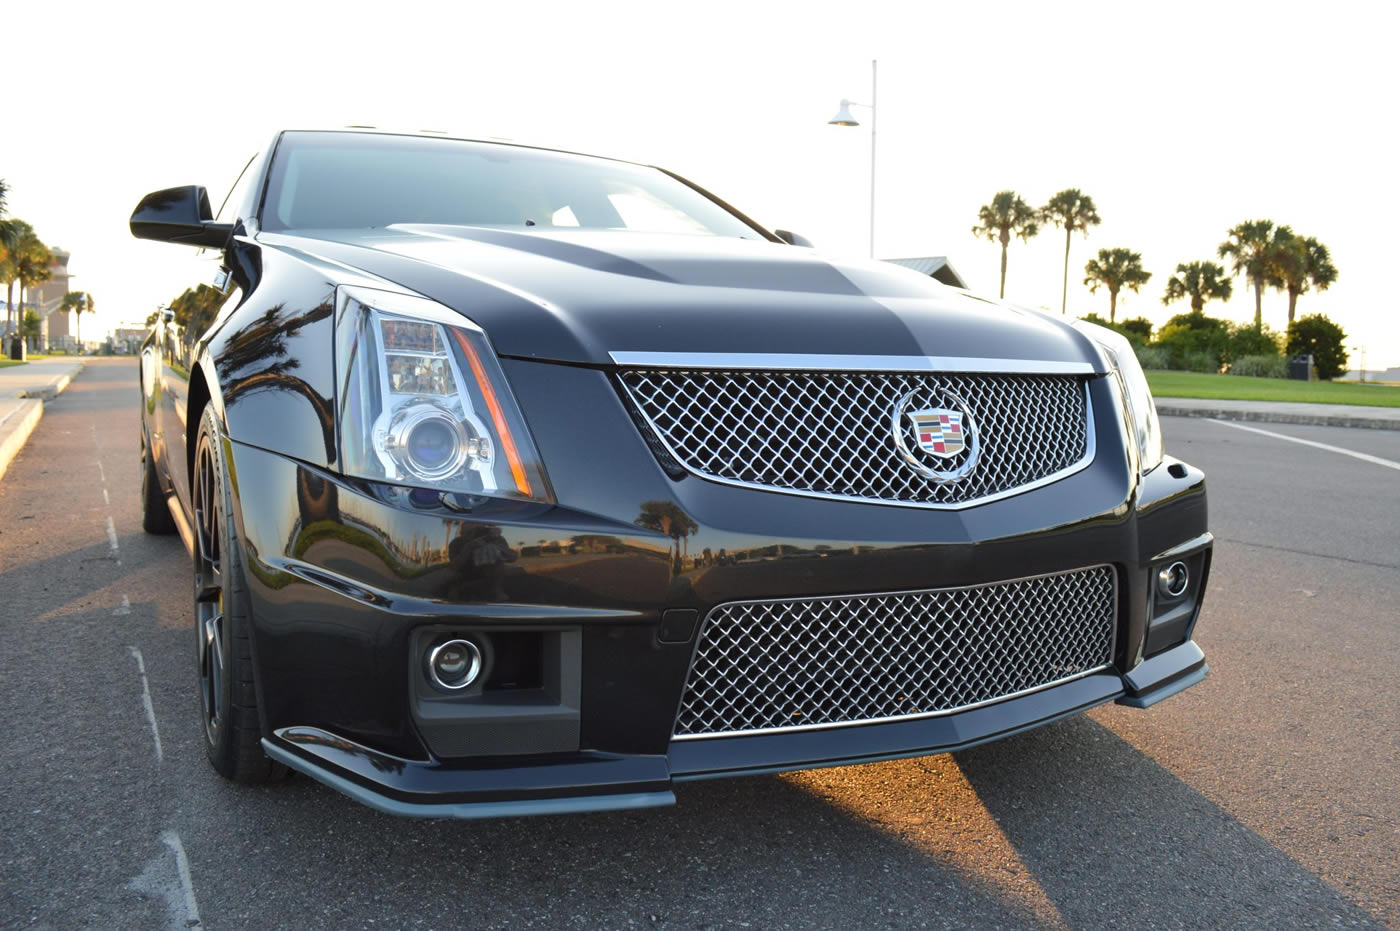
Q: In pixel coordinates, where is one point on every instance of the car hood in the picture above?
(583, 296)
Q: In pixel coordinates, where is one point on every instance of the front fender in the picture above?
(268, 365)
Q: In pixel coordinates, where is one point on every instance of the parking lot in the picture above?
(1268, 796)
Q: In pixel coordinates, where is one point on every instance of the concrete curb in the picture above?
(18, 418)
(1265, 412)
(15, 426)
(49, 392)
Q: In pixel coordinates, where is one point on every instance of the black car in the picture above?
(521, 481)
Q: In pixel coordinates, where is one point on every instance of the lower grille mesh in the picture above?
(763, 665)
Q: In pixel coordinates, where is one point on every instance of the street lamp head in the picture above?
(843, 116)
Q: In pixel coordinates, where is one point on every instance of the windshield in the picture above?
(330, 180)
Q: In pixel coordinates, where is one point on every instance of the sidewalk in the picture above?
(1325, 415)
(42, 378)
(23, 391)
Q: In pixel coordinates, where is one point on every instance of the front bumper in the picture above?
(346, 582)
(591, 782)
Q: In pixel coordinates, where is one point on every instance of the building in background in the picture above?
(127, 339)
(45, 300)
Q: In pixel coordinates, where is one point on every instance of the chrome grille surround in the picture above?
(797, 664)
(830, 434)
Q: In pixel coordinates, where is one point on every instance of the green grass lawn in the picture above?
(1245, 388)
(6, 363)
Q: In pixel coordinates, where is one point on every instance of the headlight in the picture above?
(1141, 408)
(423, 401)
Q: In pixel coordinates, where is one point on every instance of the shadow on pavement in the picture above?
(1066, 827)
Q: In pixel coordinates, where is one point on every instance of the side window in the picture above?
(238, 194)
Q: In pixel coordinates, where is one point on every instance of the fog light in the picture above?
(1173, 580)
(454, 665)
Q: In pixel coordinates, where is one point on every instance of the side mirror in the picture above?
(179, 214)
(793, 239)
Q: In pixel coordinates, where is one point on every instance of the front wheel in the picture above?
(228, 699)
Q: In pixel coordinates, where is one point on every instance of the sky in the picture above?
(1180, 120)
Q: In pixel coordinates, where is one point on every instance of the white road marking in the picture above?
(126, 606)
(166, 877)
(1364, 457)
(112, 535)
(106, 500)
(146, 700)
(100, 473)
(172, 840)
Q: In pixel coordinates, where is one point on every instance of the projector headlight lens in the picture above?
(423, 401)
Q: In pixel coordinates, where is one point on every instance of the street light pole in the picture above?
(843, 118)
(873, 112)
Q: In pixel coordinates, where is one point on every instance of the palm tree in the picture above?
(1299, 262)
(78, 302)
(15, 233)
(33, 263)
(1252, 248)
(9, 229)
(1199, 281)
(1115, 269)
(1005, 215)
(1071, 210)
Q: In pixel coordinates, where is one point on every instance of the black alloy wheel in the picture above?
(209, 593)
(228, 699)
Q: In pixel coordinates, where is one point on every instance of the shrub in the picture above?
(1154, 357)
(1139, 326)
(1186, 337)
(1260, 366)
(1245, 340)
(1204, 361)
(1324, 339)
(1131, 330)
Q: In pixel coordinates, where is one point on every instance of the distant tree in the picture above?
(1070, 210)
(22, 238)
(1115, 269)
(9, 230)
(1199, 281)
(1006, 215)
(78, 302)
(1252, 250)
(32, 261)
(33, 328)
(1323, 340)
(1300, 262)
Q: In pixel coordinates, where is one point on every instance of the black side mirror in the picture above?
(179, 214)
(793, 239)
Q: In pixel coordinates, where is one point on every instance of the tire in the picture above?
(155, 513)
(228, 699)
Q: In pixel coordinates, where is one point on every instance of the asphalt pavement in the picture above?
(1266, 797)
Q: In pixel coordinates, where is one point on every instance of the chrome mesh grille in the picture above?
(763, 665)
(830, 433)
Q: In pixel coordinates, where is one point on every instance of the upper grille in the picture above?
(763, 665)
(832, 434)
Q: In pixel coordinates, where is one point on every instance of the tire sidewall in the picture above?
(220, 745)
